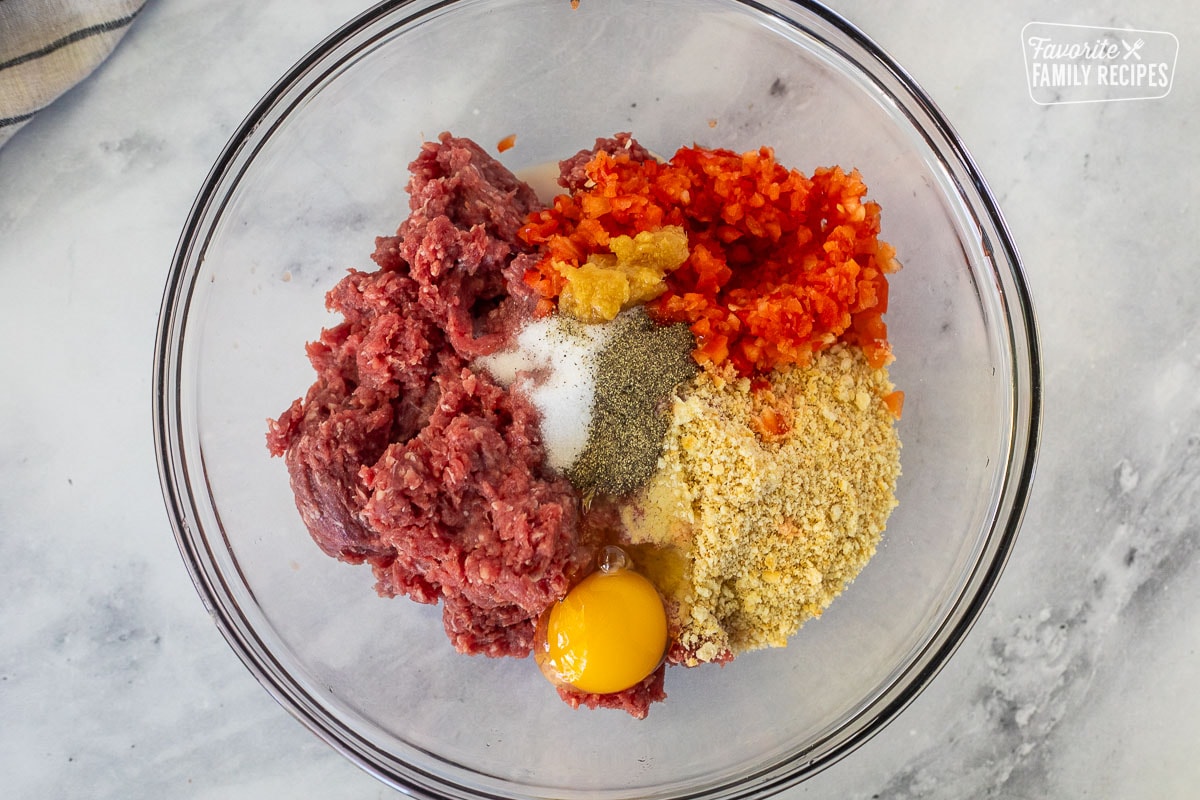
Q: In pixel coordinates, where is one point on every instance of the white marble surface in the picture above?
(1079, 678)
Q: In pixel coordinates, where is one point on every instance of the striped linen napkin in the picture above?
(48, 46)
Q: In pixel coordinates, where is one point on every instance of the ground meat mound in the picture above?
(465, 506)
(634, 701)
(400, 455)
(459, 243)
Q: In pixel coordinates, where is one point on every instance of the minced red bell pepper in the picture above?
(780, 265)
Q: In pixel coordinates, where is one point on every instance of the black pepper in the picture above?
(637, 371)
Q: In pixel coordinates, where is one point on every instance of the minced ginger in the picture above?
(770, 528)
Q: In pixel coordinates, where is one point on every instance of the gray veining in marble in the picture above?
(1077, 681)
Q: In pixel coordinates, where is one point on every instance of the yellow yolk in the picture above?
(606, 635)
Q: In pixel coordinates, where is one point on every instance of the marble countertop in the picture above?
(1077, 681)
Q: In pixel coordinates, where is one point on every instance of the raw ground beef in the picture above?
(403, 457)
(634, 701)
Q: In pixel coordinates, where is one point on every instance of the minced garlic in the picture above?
(607, 284)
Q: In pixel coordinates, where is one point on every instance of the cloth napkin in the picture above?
(48, 46)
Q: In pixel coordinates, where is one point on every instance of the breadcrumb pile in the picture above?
(776, 491)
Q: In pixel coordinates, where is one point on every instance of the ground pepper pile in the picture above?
(780, 265)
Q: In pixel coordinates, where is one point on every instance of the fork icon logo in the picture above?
(1132, 49)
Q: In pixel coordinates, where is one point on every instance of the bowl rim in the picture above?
(196, 550)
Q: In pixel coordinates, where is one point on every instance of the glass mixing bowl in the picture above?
(318, 169)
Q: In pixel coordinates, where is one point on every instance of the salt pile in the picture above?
(554, 364)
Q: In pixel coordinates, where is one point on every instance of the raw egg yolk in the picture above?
(606, 635)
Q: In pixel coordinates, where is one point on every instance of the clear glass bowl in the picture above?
(318, 169)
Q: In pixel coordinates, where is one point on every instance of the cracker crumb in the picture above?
(772, 527)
